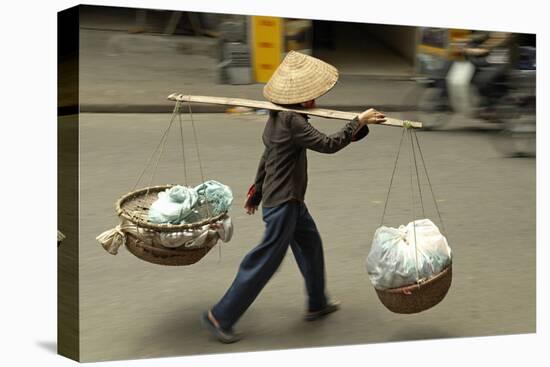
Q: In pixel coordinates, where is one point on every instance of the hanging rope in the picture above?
(417, 176)
(198, 150)
(161, 142)
(183, 150)
(407, 129)
(392, 176)
(196, 141)
(444, 231)
(200, 167)
(158, 160)
(412, 206)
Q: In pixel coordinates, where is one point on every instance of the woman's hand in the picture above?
(250, 206)
(371, 116)
(250, 209)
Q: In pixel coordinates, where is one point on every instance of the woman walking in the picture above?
(280, 185)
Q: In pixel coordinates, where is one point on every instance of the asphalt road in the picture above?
(133, 309)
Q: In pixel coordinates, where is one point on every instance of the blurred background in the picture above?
(474, 91)
(130, 59)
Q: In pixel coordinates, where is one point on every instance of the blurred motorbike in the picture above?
(484, 86)
(518, 135)
(430, 97)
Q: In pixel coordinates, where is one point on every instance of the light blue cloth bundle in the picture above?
(181, 204)
(173, 205)
(217, 195)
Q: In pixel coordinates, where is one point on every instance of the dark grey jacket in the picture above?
(282, 172)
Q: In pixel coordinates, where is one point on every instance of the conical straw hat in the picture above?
(300, 78)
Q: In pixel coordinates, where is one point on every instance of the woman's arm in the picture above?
(305, 135)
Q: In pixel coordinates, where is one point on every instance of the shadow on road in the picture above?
(49, 345)
(420, 333)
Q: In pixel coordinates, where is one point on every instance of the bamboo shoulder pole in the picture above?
(321, 112)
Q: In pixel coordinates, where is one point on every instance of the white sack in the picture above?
(206, 236)
(392, 261)
(112, 239)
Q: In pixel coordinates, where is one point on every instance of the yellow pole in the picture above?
(267, 47)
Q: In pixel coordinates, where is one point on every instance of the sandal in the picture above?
(223, 335)
(331, 307)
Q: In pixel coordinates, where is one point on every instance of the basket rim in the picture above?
(416, 286)
(159, 227)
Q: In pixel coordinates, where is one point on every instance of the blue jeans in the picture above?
(286, 224)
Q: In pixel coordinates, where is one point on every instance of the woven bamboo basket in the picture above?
(417, 297)
(134, 207)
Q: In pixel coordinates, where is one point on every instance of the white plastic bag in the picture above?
(394, 260)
